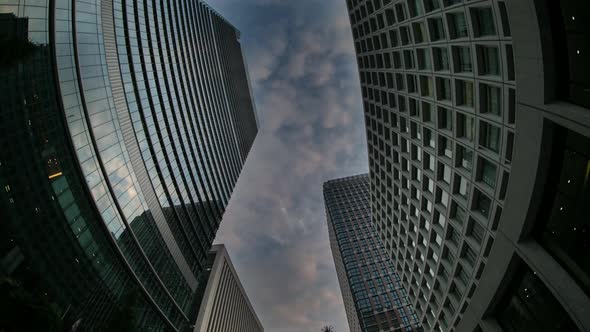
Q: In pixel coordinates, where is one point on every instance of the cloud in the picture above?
(303, 70)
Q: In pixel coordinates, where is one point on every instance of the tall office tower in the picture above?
(225, 306)
(124, 126)
(477, 125)
(373, 296)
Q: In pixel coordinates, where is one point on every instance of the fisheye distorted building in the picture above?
(478, 122)
(225, 306)
(374, 298)
(124, 126)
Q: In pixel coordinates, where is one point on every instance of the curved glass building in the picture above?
(478, 134)
(124, 126)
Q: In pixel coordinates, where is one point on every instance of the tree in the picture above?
(327, 328)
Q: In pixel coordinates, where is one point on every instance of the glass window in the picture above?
(488, 172)
(464, 157)
(491, 99)
(419, 32)
(446, 173)
(437, 29)
(423, 58)
(529, 306)
(471, 257)
(459, 213)
(462, 59)
(476, 231)
(446, 148)
(427, 112)
(482, 203)
(409, 59)
(457, 25)
(443, 87)
(426, 86)
(483, 22)
(464, 91)
(488, 60)
(428, 138)
(564, 228)
(571, 35)
(441, 58)
(490, 136)
(445, 118)
(448, 3)
(431, 5)
(462, 187)
(415, 7)
(465, 126)
(454, 236)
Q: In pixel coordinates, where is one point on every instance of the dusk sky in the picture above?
(304, 76)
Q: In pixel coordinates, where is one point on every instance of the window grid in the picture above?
(462, 69)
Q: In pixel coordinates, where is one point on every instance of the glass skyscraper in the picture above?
(476, 114)
(124, 126)
(374, 298)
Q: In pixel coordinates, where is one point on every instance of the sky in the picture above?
(305, 83)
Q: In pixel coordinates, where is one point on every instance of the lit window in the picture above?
(476, 231)
(438, 240)
(446, 148)
(462, 187)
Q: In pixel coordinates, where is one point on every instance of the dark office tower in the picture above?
(373, 296)
(124, 126)
(477, 124)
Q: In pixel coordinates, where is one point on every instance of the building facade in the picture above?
(225, 306)
(124, 127)
(478, 133)
(374, 298)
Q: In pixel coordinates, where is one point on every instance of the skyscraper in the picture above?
(374, 298)
(225, 306)
(477, 124)
(124, 127)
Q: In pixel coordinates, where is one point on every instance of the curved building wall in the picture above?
(148, 139)
(540, 256)
(478, 153)
(438, 89)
